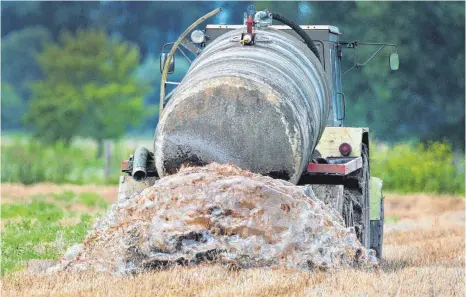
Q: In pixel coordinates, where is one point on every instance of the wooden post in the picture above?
(108, 158)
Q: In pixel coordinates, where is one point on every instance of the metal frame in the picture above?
(172, 53)
(354, 44)
(331, 29)
(182, 53)
(339, 166)
(179, 49)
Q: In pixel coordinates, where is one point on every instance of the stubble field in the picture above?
(424, 255)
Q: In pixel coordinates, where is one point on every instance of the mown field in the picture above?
(424, 252)
(51, 194)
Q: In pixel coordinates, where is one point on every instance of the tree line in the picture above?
(91, 68)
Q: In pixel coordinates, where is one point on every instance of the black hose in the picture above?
(310, 44)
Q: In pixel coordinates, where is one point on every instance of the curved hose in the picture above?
(310, 44)
(172, 52)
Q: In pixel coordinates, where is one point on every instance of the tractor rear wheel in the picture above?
(356, 205)
(377, 231)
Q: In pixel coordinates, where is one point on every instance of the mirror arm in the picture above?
(179, 49)
(371, 57)
(190, 47)
(184, 55)
(354, 63)
(348, 70)
(172, 83)
(354, 44)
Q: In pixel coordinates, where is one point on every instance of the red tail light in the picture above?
(345, 149)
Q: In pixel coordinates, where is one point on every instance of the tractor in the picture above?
(267, 98)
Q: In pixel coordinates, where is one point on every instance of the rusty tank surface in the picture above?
(262, 107)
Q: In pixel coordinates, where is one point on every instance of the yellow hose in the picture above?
(172, 52)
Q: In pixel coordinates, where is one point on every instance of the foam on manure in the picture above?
(218, 214)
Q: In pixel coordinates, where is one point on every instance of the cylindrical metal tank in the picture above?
(261, 107)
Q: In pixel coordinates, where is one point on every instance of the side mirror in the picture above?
(394, 61)
(163, 59)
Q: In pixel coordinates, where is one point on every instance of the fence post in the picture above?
(108, 158)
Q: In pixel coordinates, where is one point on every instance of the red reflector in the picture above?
(345, 149)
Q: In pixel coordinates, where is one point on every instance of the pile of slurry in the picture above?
(218, 214)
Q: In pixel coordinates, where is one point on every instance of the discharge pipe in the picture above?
(140, 164)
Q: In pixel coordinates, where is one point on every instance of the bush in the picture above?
(29, 162)
(430, 168)
(404, 168)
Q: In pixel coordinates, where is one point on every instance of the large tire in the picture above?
(364, 186)
(356, 210)
(377, 231)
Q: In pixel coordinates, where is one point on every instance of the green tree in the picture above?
(19, 67)
(89, 89)
(424, 99)
(12, 106)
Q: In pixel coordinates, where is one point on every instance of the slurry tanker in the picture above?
(267, 98)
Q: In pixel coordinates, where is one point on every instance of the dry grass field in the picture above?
(424, 256)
